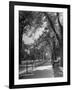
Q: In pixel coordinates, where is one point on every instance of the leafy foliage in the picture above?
(50, 40)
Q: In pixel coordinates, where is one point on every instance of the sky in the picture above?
(27, 39)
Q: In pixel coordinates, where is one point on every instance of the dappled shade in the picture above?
(40, 37)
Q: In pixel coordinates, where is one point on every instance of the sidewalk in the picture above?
(38, 72)
(44, 71)
(37, 68)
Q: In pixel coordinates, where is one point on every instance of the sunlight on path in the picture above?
(40, 68)
(43, 68)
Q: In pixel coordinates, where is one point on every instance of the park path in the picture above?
(44, 71)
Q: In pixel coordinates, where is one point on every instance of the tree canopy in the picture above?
(40, 34)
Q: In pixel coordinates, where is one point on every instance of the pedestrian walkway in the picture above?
(46, 70)
(39, 72)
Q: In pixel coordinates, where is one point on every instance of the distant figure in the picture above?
(56, 62)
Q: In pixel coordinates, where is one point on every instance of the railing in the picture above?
(27, 66)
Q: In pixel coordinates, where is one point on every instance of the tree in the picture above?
(51, 37)
(57, 29)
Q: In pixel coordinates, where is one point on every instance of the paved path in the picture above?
(44, 71)
(39, 72)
